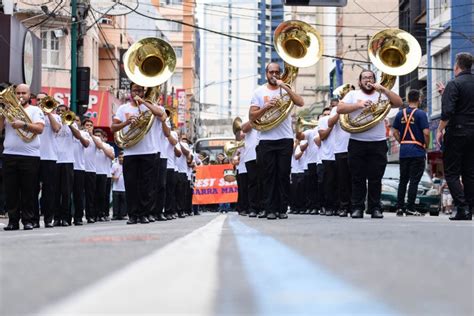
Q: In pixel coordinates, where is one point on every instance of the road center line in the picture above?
(286, 283)
(180, 278)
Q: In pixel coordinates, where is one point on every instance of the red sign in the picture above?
(210, 186)
(99, 108)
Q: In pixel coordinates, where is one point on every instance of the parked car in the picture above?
(428, 196)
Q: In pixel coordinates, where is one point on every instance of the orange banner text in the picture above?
(210, 186)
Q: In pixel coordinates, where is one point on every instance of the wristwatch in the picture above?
(25, 126)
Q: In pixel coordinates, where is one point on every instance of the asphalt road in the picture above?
(217, 264)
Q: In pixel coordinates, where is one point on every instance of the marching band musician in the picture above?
(160, 168)
(65, 163)
(48, 173)
(103, 160)
(21, 161)
(275, 145)
(78, 188)
(118, 190)
(139, 160)
(250, 160)
(171, 172)
(182, 183)
(242, 181)
(367, 151)
(328, 140)
(90, 170)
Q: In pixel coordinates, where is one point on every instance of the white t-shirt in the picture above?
(296, 165)
(89, 155)
(282, 131)
(342, 137)
(376, 133)
(171, 161)
(79, 150)
(117, 171)
(157, 130)
(181, 162)
(241, 168)
(312, 150)
(148, 144)
(49, 142)
(103, 162)
(14, 145)
(327, 146)
(251, 141)
(66, 144)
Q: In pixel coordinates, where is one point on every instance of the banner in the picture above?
(181, 96)
(210, 186)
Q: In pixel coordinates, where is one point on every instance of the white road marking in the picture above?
(180, 278)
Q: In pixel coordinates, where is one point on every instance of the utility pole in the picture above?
(74, 20)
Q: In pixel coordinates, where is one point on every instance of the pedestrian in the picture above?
(412, 131)
(456, 129)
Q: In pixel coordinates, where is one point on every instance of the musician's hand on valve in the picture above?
(132, 119)
(362, 104)
(18, 124)
(378, 87)
(280, 83)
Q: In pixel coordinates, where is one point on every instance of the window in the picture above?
(440, 60)
(439, 6)
(179, 52)
(177, 80)
(176, 27)
(50, 49)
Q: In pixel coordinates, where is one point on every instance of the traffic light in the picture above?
(317, 3)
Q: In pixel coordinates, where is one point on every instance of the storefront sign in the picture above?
(210, 186)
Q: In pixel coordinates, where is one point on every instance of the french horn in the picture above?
(395, 53)
(299, 45)
(12, 110)
(149, 63)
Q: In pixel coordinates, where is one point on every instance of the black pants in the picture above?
(260, 179)
(160, 185)
(189, 197)
(252, 185)
(64, 191)
(320, 169)
(181, 192)
(312, 187)
(243, 192)
(458, 159)
(330, 185)
(2, 190)
(343, 181)
(78, 193)
(276, 161)
(48, 177)
(138, 177)
(89, 185)
(99, 196)
(170, 198)
(297, 192)
(119, 204)
(367, 161)
(411, 170)
(108, 191)
(21, 177)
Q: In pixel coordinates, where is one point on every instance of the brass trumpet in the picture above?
(48, 104)
(301, 124)
(68, 117)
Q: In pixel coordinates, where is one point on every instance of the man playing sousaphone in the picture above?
(139, 159)
(22, 122)
(367, 150)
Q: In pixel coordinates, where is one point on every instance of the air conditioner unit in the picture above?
(106, 21)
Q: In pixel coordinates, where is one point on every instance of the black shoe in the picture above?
(314, 212)
(151, 219)
(399, 212)
(36, 225)
(132, 220)
(321, 212)
(329, 212)
(283, 216)
(271, 216)
(64, 223)
(357, 214)
(461, 214)
(144, 220)
(243, 213)
(181, 215)
(12, 227)
(262, 215)
(197, 213)
(90, 221)
(169, 217)
(343, 213)
(161, 218)
(48, 225)
(56, 223)
(28, 226)
(78, 222)
(101, 219)
(115, 218)
(253, 214)
(376, 213)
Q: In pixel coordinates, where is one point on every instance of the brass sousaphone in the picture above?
(149, 63)
(395, 53)
(299, 45)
